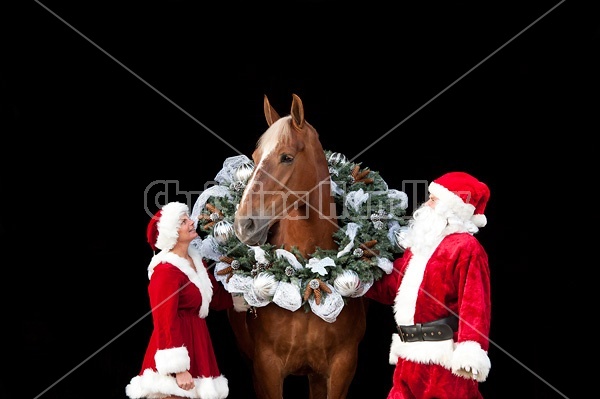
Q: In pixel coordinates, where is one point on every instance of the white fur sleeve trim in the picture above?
(425, 352)
(469, 354)
(172, 360)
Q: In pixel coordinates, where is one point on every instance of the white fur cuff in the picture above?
(172, 360)
(469, 355)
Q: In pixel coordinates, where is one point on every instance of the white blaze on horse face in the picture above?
(251, 181)
(268, 143)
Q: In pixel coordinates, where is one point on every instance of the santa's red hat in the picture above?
(463, 194)
(163, 230)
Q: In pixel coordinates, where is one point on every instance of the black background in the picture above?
(103, 99)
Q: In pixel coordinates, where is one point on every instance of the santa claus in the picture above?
(440, 292)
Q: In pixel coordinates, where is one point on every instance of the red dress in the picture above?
(180, 299)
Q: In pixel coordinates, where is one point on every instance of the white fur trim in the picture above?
(213, 388)
(454, 202)
(425, 352)
(199, 277)
(201, 280)
(454, 357)
(406, 300)
(479, 220)
(173, 360)
(469, 354)
(168, 225)
(154, 385)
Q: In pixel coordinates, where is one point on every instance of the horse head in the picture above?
(287, 200)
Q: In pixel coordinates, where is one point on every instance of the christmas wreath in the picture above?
(370, 217)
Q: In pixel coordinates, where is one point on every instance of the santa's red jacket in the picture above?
(452, 280)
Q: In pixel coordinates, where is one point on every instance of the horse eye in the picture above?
(286, 158)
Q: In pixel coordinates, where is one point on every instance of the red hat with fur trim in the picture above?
(463, 194)
(163, 230)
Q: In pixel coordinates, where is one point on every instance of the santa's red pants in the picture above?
(430, 381)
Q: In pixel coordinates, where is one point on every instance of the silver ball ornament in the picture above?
(222, 231)
(337, 158)
(244, 171)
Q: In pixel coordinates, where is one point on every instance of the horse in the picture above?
(287, 202)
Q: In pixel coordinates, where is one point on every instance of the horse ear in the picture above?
(270, 114)
(297, 112)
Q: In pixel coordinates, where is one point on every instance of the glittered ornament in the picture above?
(238, 186)
(349, 284)
(222, 231)
(244, 171)
(337, 158)
(400, 236)
(378, 224)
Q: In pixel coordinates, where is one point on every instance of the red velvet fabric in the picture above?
(176, 320)
(430, 381)
(456, 280)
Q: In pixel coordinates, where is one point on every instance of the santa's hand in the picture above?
(471, 371)
(470, 361)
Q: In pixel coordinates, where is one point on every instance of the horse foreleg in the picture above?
(267, 377)
(342, 370)
(317, 385)
(240, 330)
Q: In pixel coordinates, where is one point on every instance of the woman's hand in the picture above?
(184, 380)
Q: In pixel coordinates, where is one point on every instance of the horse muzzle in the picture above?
(251, 231)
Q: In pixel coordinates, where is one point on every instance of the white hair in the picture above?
(429, 226)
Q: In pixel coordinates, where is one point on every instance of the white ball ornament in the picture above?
(347, 283)
(337, 158)
(222, 231)
(244, 171)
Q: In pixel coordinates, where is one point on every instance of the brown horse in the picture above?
(288, 203)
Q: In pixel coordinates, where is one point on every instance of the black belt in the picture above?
(437, 330)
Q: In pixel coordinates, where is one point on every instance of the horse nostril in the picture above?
(241, 225)
(244, 223)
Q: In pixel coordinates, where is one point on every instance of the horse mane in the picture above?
(279, 131)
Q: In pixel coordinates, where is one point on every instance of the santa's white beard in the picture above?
(426, 229)
(429, 225)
